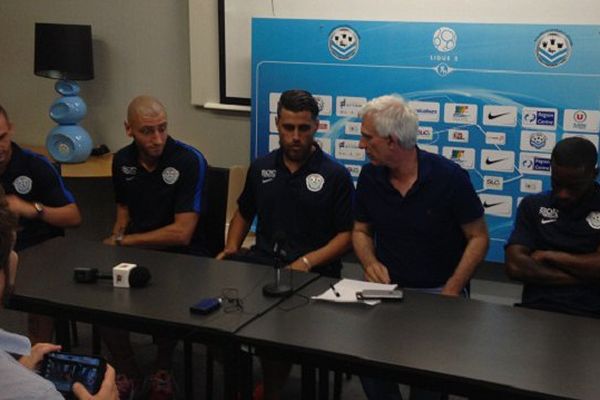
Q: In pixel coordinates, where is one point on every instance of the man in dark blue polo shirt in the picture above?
(418, 221)
(158, 185)
(555, 245)
(302, 198)
(37, 195)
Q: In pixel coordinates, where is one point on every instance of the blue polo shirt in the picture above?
(540, 225)
(418, 237)
(154, 197)
(309, 206)
(32, 177)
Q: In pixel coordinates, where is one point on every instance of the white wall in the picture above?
(140, 46)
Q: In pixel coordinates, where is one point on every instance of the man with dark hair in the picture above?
(18, 379)
(302, 198)
(554, 248)
(37, 195)
(298, 192)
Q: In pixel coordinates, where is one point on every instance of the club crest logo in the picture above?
(538, 140)
(553, 48)
(343, 43)
(444, 39)
(314, 182)
(170, 175)
(23, 184)
(593, 219)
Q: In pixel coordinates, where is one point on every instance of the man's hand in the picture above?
(225, 253)
(449, 290)
(377, 272)
(38, 352)
(108, 389)
(20, 207)
(110, 240)
(299, 265)
(542, 256)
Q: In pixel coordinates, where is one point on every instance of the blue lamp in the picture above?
(64, 52)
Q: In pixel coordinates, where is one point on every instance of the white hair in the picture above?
(393, 117)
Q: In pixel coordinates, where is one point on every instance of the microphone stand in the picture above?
(277, 289)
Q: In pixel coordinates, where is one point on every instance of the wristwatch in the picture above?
(39, 208)
(119, 238)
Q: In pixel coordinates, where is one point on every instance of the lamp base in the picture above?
(69, 144)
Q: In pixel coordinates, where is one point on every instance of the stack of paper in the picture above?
(347, 289)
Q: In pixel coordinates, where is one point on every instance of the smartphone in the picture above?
(396, 294)
(206, 306)
(64, 369)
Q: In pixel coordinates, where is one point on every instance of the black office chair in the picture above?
(214, 208)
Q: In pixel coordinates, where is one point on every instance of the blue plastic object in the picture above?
(68, 110)
(69, 144)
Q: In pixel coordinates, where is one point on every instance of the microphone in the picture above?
(138, 276)
(277, 289)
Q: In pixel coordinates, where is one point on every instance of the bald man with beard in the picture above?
(158, 184)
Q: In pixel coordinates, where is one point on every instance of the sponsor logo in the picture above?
(426, 111)
(128, 170)
(352, 128)
(593, 219)
(315, 182)
(343, 43)
(273, 123)
(500, 115)
(548, 212)
(23, 184)
(425, 133)
(323, 126)
(324, 103)
(324, 144)
(541, 118)
(591, 138)
(547, 221)
(353, 169)
(443, 69)
(349, 106)
(348, 150)
(537, 141)
(460, 113)
(500, 206)
(531, 185)
(429, 148)
(458, 135)
(493, 182)
(534, 163)
(553, 48)
(170, 175)
(582, 121)
(268, 175)
(465, 157)
(497, 138)
(497, 160)
(273, 142)
(444, 39)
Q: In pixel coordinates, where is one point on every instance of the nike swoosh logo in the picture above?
(267, 180)
(548, 221)
(488, 205)
(490, 162)
(494, 116)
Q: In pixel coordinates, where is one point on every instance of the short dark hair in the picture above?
(575, 152)
(296, 100)
(4, 113)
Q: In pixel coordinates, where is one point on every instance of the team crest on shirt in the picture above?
(23, 184)
(314, 182)
(593, 219)
(170, 175)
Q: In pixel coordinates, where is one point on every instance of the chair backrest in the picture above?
(214, 210)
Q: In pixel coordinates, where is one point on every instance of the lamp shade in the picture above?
(63, 51)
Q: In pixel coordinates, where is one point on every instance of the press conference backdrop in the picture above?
(494, 98)
(236, 15)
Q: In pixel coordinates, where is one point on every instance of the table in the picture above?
(454, 345)
(45, 285)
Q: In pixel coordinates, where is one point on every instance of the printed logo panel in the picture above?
(493, 182)
(323, 126)
(348, 150)
(430, 148)
(538, 141)
(349, 106)
(426, 111)
(324, 144)
(325, 104)
(458, 135)
(531, 185)
(500, 115)
(425, 133)
(591, 138)
(581, 120)
(353, 169)
(497, 205)
(539, 118)
(455, 113)
(273, 142)
(273, 123)
(465, 157)
(273, 101)
(496, 138)
(534, 163)
(352, 128)
(497, 160)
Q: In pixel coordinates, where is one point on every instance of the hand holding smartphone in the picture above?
(64, 369)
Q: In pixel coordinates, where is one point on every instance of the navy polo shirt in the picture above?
(153, 198)
(34, 179)
(309, 206)
(418, 237)
(542, 226)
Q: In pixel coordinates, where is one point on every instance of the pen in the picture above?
(337, 294)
